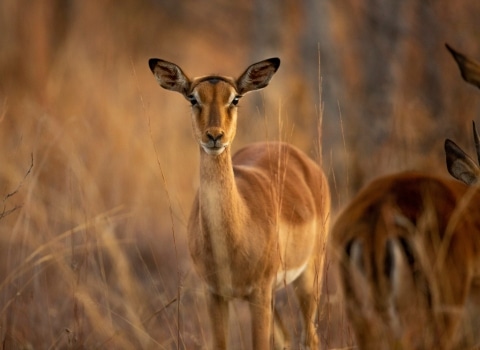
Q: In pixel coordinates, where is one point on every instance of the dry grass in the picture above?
(95, 256)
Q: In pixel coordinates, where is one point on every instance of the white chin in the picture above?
(214, 151)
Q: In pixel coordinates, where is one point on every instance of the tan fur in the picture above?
(258, 216)
(408, 258)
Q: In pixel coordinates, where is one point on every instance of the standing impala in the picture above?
(260, 219)
(407, 249)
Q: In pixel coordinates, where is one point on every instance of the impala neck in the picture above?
(221, 206)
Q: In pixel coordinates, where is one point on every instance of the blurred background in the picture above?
(99, 168)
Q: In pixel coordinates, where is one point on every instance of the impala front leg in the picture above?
(261, 310)
(218, 310)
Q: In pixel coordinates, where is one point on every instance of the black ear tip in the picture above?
(451, 50)
(447, 143)
(275, 61)
(152, 62)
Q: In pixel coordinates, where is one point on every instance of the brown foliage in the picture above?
(90, 259)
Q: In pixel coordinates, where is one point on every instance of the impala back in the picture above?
(407, 255)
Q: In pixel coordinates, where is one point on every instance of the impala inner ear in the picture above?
(169, 75)
(459, 164)
(258, 75)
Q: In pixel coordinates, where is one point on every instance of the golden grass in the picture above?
(96, 256)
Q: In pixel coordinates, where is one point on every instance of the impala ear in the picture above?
(469, 68)
(169, 75)
(476, 139)
(258, 75)
(460, 165)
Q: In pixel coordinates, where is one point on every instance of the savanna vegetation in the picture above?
(98, 167)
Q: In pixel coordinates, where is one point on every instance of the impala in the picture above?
(407, 253)
(407, 249)
(260, 218)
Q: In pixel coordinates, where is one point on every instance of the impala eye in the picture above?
(192, 100)
(235, 100)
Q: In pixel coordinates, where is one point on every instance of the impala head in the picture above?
(459, 163)
(213, 98)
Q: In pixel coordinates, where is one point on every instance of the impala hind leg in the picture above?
(281, 336)
(306, 288)
(218, 311)
(260, 302)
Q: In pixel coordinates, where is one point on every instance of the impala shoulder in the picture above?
(384, 190)
(252, 181)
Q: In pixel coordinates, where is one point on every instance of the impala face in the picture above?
(213, 99)
(214, 114)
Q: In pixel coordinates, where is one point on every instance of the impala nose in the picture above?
(214, 136)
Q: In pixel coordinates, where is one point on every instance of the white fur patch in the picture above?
(287, 276)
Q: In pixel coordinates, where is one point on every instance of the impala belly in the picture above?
(293, 264)
(285, 277)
